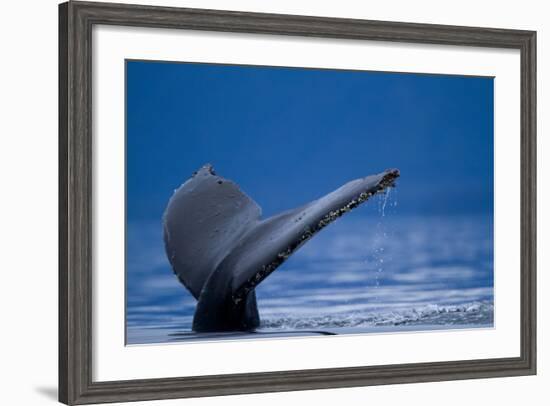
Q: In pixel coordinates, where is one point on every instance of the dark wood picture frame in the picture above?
(76, 20)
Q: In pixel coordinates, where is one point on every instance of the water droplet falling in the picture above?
(385, 201)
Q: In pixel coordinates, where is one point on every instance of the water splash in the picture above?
(475, 313)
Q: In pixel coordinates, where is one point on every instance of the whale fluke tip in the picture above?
(206, 169)
(393, 171)
(389, 177)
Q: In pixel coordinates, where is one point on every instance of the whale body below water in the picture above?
(221, 249)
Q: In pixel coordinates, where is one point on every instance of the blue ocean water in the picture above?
(372, 270)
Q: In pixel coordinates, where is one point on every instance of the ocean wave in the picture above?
(473, 313)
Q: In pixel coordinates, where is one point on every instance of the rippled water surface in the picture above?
(368, 272)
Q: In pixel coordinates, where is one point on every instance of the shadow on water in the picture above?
(190, 335)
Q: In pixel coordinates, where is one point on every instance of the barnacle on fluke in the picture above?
(221, 249)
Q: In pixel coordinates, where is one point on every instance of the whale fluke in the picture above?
(221, 249)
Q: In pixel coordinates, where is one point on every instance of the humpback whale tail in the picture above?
(221, 249)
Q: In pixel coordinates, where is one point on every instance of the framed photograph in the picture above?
(259, 202)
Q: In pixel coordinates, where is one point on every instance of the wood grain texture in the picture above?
(63, 364)
(75, 196)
